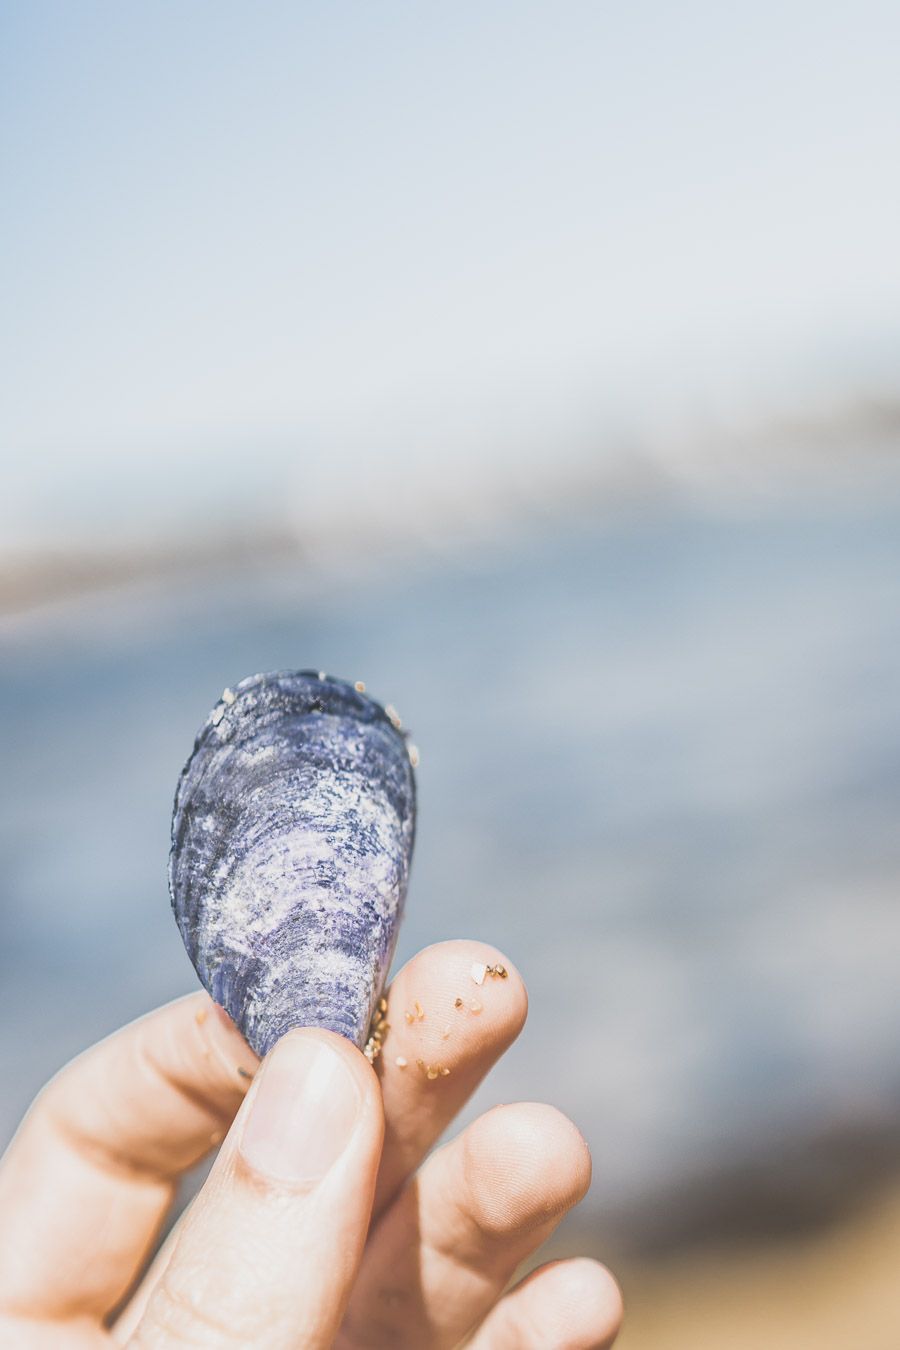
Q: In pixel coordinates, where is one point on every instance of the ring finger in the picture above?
(446, 1248)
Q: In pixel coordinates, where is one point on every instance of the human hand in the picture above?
(314, 1227)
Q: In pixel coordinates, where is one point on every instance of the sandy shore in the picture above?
(836, 1290)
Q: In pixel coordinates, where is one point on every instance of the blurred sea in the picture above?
(660, 769)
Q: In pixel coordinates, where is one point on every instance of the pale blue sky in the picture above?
(319, 239)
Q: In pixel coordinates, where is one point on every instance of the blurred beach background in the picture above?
(539, 366)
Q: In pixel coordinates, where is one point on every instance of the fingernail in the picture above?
(303, 1112)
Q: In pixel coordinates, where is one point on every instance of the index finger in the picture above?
(86, 1182)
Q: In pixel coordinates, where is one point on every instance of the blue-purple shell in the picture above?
(292, 838)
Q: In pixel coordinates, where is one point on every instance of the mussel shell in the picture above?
(292, 838)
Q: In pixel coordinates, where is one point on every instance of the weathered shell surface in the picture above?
(292, 838)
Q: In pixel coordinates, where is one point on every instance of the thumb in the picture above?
(270, 1248)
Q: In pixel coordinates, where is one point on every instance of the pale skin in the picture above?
(322, 1222)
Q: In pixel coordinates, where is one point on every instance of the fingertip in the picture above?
(573, 1304)
(460, 991)
(590, 1296)
(526, 1164)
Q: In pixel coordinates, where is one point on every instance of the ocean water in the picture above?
(660, 768)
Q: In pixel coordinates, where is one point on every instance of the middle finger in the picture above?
(451, 1011)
